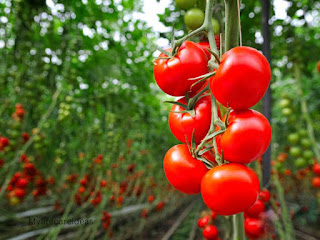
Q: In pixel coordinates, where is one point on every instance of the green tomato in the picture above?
(286, 111)
(307, 154)
(305, 142)
(279, 166)
(194, 18)
(216, 26)
(300, 163)
(293, 138)
(186, 4)
(303, 133)
(295, 151)
(284, 103)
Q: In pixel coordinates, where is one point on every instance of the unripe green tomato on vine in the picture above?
(305, 142)
(186, 4)
(284, 103)
(307, 154)
(286, 111)
(303, 133)
(300, 162)
(216, 26)
(293, 138)
(194, 18)
(295, 151)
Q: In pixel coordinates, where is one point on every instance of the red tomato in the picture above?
(242, 78)
(182, 170)
(316, 169)
(206, 45)
(213, 215)
(247, 137)
(256, 209)
(230, 188)
(316, 182)
(183, 124)
(264, 195)
(172, 75)
(254, 228)
(202, 222)
(210, 232)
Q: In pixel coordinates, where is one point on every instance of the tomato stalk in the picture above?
(238, 227)
(305, 112)
(231, 24)
(231, 41)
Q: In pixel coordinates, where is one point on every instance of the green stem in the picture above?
(231, 25)
(238, 229)
(305, 111)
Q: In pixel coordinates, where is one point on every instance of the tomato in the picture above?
(210, 232)
(206, 45)
(293, 138)
(216, 26)
(305, 142)
(242, 78)
(295, 151)
(284, 103)
(183, 124)
(186, 4)
(300, 162)
(307, 154)
(202, 222)
(194, 18)
(213, 215)
(264, 195)
(316, 182)
(303, 133)
(316, 169)
(318, 66)
(286, 111)
(246, 138)
(230, 188)
(172, 75)
(254, 228)
(183, 171)
(256, 209)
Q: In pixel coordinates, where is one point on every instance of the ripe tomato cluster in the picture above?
(255, 224)
(240, 137)
(210, 231)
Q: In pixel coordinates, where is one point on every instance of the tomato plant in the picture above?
(246, 138)
(230, 188)
(242, 78)
(172, 75)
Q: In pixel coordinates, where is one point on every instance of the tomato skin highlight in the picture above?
(183, 171)
(242, 78)
(230, 188)
(183, 124)
(246, 138)
(172, 75)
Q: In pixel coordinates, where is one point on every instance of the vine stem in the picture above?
(238, 229)
(231, 26)
(305, 111)
(232, 16)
